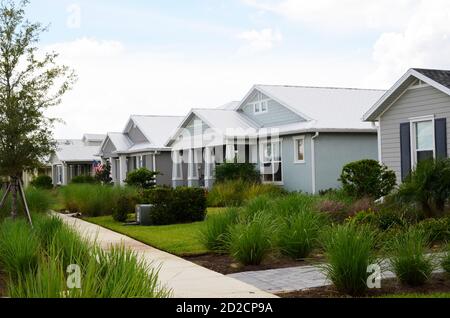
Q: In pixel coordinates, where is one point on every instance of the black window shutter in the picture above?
(405, 149)
(441, 137)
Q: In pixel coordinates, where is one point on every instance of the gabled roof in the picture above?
(218, 119)
(323, 107)
(94, 137)
(72, 150)
(229, 106)
(157, 129)
(120, 141)
(439, 79)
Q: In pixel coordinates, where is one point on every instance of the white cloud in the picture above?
(424, 42)
(342, 15)
(115, 82)
(259, 41)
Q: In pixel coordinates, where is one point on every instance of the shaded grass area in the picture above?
(178, 239)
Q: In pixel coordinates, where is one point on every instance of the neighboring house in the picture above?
(141, 144)
(299, 137)
(74, 158)
(44, 170)
(414, 120)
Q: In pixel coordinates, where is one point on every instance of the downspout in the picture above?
(313, 162)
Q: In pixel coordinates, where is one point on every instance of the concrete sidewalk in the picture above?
(185, 279)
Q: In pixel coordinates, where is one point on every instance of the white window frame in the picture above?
(257, 105)
(296, 139)
(262, 144)
(413, 122)
(59, 174)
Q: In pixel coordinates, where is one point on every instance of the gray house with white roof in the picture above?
(74, 158)
(141, 144)
(298, 137)
(413, 120)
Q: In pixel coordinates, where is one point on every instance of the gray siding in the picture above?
(277, 114)
(164, 165)
(334, 151)
(414, 103)
(296, 176)
(108, 149)
(137, 136)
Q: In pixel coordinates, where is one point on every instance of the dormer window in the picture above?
(260, 105)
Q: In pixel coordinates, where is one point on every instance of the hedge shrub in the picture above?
(367, 178)
(237, 171)
(42, 182)
(142, 178)
(179, 205)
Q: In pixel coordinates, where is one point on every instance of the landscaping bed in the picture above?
(439, 284)
(225, 264)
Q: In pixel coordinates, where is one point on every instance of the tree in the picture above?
(30, 83)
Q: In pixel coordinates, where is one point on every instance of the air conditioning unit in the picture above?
(143, 212)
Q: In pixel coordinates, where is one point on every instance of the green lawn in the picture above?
(178, 239)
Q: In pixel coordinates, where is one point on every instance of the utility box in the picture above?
(143, 212)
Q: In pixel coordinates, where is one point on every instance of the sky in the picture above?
(165, 57)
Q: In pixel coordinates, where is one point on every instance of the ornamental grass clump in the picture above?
(251, 242)
(349, 252)
(19, 247)
(445, 263)
(215, 234)
(407, 256)
(298, 233)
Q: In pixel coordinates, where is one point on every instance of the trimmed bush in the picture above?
(237, 171)
(428, 186)
(215, 235)
(408, 259)
(251, 242)
(367, 178)
(124, 206)
(179, 205)
(83, 180)
(142, 178)
(349, 252)
(42, 182)
(299, 232)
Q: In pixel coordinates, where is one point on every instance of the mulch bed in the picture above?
(439, 283)
(224, 264)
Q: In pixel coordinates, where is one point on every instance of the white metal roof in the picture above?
(120, 141)
(325, 108)
(157, 129)
(76, 151)
(94, 137)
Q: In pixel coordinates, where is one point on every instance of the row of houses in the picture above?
(298, 137)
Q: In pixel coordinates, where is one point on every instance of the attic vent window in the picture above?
(260, 105)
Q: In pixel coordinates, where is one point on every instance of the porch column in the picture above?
(193, 178)
(65, 174)
(54, 182)
(230, 154)
(210, 167)
(122, 170)
(177, 169)
(113, 173)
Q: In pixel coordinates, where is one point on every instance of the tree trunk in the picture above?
(14, 198)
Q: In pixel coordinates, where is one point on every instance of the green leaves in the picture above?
(29, 85)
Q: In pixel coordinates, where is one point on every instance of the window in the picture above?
(422, 139)
(271, 162)
(261, 104)
(59, 170)
(299, 149)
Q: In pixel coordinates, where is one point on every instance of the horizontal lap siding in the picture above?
(277, 114)
(414, 103)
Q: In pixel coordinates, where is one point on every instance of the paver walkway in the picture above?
(185, 279)
(292, 279)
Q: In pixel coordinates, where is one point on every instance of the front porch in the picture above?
(63, 173)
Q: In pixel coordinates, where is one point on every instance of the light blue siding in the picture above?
(334, 151)
(296, 176)
(276, 115)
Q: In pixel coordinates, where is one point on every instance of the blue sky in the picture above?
(166, 57)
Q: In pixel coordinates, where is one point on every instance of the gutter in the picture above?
(313, 162)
